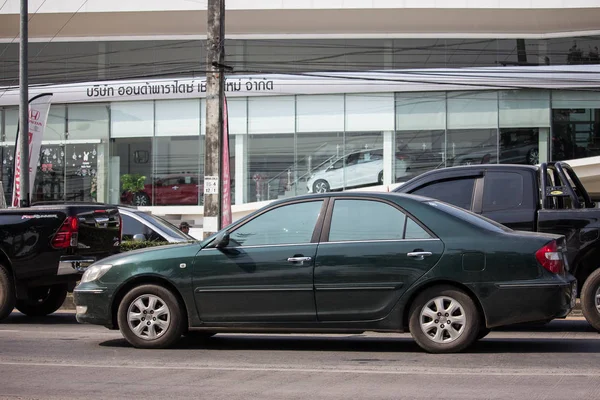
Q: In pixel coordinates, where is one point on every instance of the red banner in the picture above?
(225, 171)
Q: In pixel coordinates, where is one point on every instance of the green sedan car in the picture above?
(336, 263)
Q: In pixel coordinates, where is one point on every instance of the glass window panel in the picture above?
(458, 192)
(362, 163)
(471, 146)
(502, 191)
(467, 110)
(177, 117)
(320, 113)
(420, 111)
(270, 166)
(271, 114)
(370, 112)
(132, 119)
(524, 108)
(88, 121)
(50, 176)
(132, 226)
(176, 178)
(418, 152)
(56, 124)
(571, 99)
(132, 158)
(81, 171)
(414, 231)
(519, 146)
(365, 220)
(288, 224)
(11, 123)
(238, 116)
(316, 153)
(575, 133)
(6, 171)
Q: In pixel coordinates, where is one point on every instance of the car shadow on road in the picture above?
(358, 343)
(58, 318)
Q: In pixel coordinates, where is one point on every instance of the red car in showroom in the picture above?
(168, 190)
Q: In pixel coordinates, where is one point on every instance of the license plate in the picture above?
(573, 294)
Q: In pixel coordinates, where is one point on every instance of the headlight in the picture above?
(95, 272)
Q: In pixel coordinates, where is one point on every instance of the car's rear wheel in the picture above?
(7, 292)
(151, 317)
(380, 178)
(141, 199)
(533, 156)
(42, 301)
(321, 186)
(590, 299)
(444, 319)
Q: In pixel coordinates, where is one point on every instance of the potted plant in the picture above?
(133, 187)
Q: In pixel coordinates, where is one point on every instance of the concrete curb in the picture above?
(69, 305)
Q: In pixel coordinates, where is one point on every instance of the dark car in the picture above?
(139, 225)
(336, 262)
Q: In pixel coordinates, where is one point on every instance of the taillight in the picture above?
(550, 258)
(67, 234)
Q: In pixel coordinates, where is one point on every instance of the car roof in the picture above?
(366, 194)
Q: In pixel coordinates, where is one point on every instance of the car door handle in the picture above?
(419, 255)
(299, 259)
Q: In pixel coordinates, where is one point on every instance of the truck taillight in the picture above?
(551, 258)
(67, 234)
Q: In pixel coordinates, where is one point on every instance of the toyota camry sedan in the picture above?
(336, 263)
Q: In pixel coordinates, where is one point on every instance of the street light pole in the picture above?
(24, 106)
(214, 117)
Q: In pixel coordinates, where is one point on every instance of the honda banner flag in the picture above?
(225, 171)
(39, 106)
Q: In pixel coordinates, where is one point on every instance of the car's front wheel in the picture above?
(141, 199)
(42, 301)
(444, 319)
(321, 186)
(151, 317)
(590, 299)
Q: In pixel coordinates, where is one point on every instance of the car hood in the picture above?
(176, 250)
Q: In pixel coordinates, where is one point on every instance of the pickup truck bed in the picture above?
(45, 249)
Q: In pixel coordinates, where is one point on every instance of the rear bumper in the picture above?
(530, 301)
(69, 265)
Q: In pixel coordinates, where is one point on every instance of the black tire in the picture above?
(590, 300)
(141, 199)
(438, 339)
(168, 327)
(7, 292)
(380, 178)
(321, 186)
(43, 300)
(483, 332)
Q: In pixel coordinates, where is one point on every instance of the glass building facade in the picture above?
(282, 146)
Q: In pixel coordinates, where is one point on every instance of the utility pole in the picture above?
(215, 58)
(24, 106)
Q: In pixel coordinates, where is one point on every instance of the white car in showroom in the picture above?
(360, 168)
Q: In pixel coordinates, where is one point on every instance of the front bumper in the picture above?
(530, 301)
(93, 306)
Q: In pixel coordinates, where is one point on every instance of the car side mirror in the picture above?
(222, 240)
(139, 237)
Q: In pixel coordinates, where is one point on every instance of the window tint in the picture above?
(472, 218)
(458, 192)
(288, 224)
(132, 227)
(365, 220)
(502, 191)
(414, 231)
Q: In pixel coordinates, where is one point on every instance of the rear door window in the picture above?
(502, 191)
(458, 192)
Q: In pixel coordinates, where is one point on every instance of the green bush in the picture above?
(133, 182)
(127, 245)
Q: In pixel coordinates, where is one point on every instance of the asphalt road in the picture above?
(56, 358)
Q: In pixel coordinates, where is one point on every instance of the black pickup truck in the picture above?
(45, 249)
(548, 198)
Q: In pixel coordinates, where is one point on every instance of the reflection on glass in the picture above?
(316, 153)
(519, 146)
(50, 177)
(576, 133)
(418, 152)
(363, 161)
(472, 146)
(134, 156)
(270, 166)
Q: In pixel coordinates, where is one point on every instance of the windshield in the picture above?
(166, 226)
(472, 218)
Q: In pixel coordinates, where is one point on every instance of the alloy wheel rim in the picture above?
(534, 157)
(597, 299)
(148, 317)
(443, 319)
(140, 201)
(321, 187)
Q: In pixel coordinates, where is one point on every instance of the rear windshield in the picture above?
(166, 226)
(468, 216)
